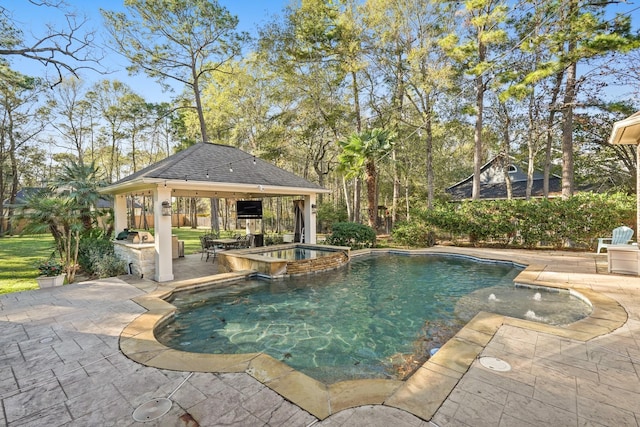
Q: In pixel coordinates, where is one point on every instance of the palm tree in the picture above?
(80, 182)
(360, 151)
(66, 210)
(60, 216)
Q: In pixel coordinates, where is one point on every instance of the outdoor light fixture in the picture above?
(207, 174)
(254, 160)
(230, 168)
(314, 208)
(166, 208)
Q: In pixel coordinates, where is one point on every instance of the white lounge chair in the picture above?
(619, 236)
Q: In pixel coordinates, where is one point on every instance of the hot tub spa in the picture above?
(285, 260)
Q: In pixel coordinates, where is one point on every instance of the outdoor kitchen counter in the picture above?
(139, 257)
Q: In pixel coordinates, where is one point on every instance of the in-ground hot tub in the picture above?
(283, 260)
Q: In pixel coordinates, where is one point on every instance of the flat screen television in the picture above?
(249, 208)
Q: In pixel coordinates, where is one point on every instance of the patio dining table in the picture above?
(226, 243)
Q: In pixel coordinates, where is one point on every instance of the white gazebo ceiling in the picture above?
(626, 131)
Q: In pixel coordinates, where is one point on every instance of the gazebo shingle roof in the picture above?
(195, 162)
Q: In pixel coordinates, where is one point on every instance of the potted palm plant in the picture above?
(51, 273)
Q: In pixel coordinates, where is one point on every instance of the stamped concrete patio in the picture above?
(61, 363)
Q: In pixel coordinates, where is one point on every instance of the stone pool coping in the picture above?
(422, 394)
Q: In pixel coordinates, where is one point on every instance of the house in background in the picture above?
(493, 185)
(20, 199)
(103, 203)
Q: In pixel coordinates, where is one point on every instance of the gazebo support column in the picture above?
(310, 219)
(162, 237)
(119, 213)
(638, 193)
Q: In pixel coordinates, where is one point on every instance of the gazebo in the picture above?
(207, 170)
(627, 131)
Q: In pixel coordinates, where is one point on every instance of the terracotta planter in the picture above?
(50, 281)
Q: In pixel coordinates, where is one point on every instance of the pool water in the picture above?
(379, 317)
(296, 254)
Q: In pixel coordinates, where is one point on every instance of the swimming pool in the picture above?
(376, 318)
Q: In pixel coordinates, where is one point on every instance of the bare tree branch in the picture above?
(68, 50)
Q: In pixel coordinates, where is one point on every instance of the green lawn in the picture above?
(18, 255)
(191, 238)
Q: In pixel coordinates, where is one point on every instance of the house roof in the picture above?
(23, 194)
(215, 169)
(493, 186)
(499, 190)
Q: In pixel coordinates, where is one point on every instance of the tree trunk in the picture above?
(429, 162)
(531, 145)
(194, 213)
(347, 199)
(406, 196)
(398, 104)
(477, 138)
(356, 100)
(567, 130)
(215, 220)
(356, 199)
(13, 189)
(198, 100)
(550, 123)
(396, 188)
(506, 160)
(2, 192)
(370, 168)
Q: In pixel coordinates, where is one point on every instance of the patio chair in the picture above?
(242, 242)
(207, 247)
(619, 236)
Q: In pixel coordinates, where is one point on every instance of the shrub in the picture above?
(352, 234)
(107, 265)
(329, 214)
(92, 248)
(413, 234)
(97, 258)
(575, 222)
(272, 239)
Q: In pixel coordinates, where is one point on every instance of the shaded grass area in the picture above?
(19, 255)
(191, 237)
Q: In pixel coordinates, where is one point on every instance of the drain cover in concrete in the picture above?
(152, 409)
(495, 364)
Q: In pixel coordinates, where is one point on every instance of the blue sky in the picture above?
(33, 20)
(251, 14)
